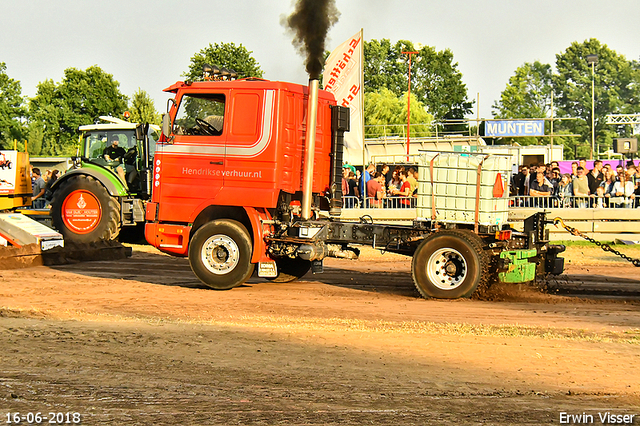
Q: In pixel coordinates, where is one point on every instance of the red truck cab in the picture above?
(235, 150)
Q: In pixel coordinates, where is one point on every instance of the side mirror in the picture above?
(140, 131)
(166, 126)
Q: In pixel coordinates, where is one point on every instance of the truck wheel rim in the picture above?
(447, 268)
(220, 254)
(81, 212)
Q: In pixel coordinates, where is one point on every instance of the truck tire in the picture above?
(83, 211)
(290, 269)
(449, 265)
(220, 254)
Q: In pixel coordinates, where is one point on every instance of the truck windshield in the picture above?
(200, 115)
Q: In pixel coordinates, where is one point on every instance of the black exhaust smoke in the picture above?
(310, 23)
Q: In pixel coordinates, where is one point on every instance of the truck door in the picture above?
(193, 164)
(250, 156)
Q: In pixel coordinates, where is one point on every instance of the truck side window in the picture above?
(200, 114)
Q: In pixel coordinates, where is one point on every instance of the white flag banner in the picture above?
(343, 77)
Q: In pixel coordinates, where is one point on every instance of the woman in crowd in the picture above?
(606, 187)
(405, 190)
(565, 190)
(395, 183)
(624, 191)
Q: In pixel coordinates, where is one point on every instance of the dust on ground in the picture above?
(141, 341)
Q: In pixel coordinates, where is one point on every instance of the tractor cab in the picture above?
(97, 142)
(109, 184)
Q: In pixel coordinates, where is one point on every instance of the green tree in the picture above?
(57, 110)
(435, 79)
(12, 109)
(44, 130)
(617, 90)
(528, 93)
(224, 55)
(386, 114)
(142, 109)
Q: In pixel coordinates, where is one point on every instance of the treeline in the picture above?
(535, 87)
(49, 120)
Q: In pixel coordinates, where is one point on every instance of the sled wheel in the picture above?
(83, 211)
(449, 265)
(220, 254)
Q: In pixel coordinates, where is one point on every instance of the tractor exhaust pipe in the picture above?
(309, 148)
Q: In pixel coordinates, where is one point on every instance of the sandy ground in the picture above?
(140, 342)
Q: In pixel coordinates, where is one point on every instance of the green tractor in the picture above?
(107, 188)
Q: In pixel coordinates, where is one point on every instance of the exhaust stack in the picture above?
(309, 148)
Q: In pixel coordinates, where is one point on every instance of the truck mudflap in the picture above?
(518, 267)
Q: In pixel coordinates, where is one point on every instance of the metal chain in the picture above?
(603, 246)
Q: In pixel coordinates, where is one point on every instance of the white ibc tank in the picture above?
(453, 188)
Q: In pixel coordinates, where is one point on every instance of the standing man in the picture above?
(581, 188)
(345, 184)
(574, 170)
(540, 188)
(520, 183)
(412, 177)
(37, 201)
(375, 191)
(385, 172)
(595, 177)
(366, 177)
(582, 162)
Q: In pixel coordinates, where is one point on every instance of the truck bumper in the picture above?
(172, 239)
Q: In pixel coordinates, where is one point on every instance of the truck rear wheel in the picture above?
(290, 269)
(220, 254)
(83, 211)
(449, 265)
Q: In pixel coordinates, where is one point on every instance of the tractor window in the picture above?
(97, 140)
(200, 115)
(153, 139)
(95, 143)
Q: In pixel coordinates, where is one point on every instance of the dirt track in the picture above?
(139, 341)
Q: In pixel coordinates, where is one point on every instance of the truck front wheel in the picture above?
(220, 254)
(449, 265)
(83, 211)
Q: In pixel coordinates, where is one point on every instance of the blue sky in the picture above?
(148, 44)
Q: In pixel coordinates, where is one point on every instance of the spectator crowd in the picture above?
(384, 188)
(542, 185)
(41, 187)
(536, 185)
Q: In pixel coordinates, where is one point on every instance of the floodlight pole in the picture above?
(409, 102)
(593, 60)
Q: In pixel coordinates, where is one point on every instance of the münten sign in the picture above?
(514, 128)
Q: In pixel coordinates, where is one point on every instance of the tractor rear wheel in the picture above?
(83, 211)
